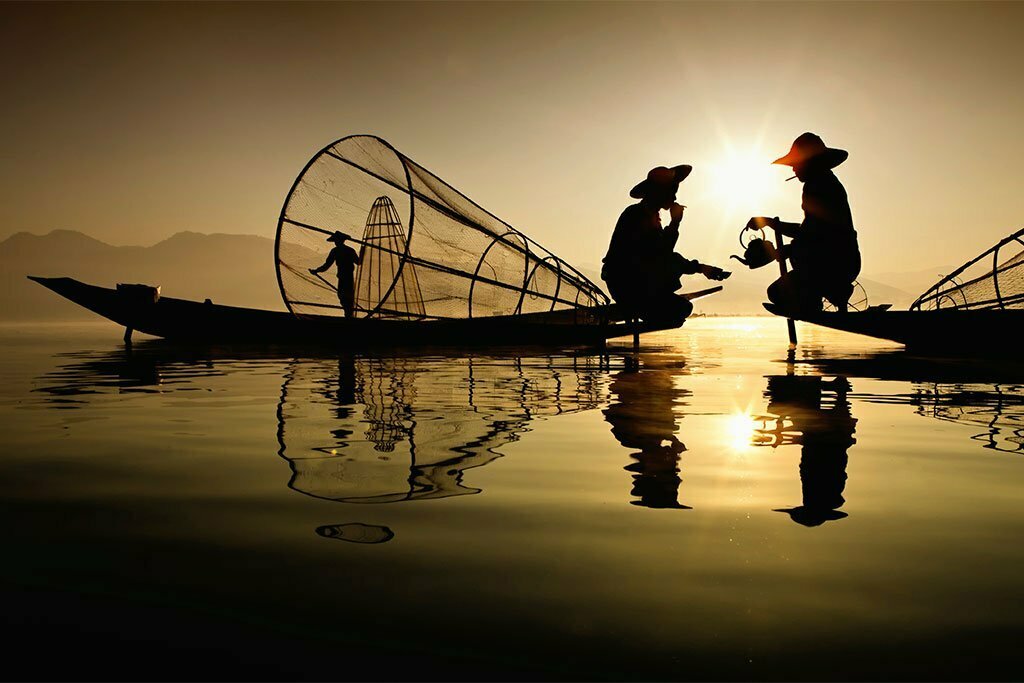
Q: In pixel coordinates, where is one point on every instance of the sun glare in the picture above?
(743, 181)
(740, 429)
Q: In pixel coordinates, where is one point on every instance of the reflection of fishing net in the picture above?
(997, 409)
(993, 280)
(427, 250)
(409, 429)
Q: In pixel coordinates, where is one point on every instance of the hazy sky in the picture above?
(132, 122)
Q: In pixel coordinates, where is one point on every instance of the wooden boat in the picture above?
(948, 331)
(192, 321)
(979, 307)
(434, 268)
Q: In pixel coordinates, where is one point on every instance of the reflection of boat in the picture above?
(435, 269)
(364, 429)
(385, 430)
(986, 394)
(996, 409)
(978, 306)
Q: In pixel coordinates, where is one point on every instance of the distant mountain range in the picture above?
(229, 269)
(239, 270)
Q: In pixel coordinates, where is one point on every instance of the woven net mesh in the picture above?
(427, 251)
(993, 280)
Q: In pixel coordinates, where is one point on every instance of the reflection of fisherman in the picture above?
(824, 252)
(344, 398)
(826, 435)
(641, 418)
(641, 268)
(346, 258)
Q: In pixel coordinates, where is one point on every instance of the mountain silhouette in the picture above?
(230, 269)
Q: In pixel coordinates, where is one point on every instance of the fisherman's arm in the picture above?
(327, 264)
(671, 233)
(692, 266)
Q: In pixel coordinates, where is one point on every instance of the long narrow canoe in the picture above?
(944, 330)
(183, 320)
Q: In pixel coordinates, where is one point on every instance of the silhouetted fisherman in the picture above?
(826, 433)
(642, 417)
(824, 254)
(346, 258)
(641, 269)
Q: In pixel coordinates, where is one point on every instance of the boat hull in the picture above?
(946, 331)
(192, 321)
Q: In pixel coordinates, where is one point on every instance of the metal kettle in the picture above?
(757, 251)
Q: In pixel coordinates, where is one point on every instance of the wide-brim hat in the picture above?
(339, 237)
(660, 176)
(811, 148)
(812, 516)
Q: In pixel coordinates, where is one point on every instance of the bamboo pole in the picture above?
(790, 324)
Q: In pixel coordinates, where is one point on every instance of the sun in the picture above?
(743, 181)
(739, 431)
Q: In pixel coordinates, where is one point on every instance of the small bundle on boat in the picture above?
(138, 293)
(427, 251)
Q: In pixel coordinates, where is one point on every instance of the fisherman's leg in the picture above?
(346, 297)
(668, 309)
(782, 292)
(626, 296)
(795, 291)
(682, 308)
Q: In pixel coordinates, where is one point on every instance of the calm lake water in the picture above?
(705, 510)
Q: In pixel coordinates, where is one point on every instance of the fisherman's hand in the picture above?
(761, 222)
(314, 271)
(714, 273)
(675, 212)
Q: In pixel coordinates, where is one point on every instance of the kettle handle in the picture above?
(743, 232)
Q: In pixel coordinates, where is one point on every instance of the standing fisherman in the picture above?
(641, 269)
(824, 252)
(346, 257)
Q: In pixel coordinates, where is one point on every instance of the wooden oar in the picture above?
(790, 324)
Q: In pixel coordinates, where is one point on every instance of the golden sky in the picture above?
(131, 122)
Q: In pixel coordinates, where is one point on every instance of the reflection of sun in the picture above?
(740, 429)
(743, 180)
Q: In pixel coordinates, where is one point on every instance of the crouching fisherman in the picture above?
(641, 268)
(824, 254)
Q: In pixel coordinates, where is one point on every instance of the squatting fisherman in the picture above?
(824, 254)
(346, 259)
(641, 268)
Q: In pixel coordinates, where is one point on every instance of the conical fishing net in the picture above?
(993, 280)
(427, 251)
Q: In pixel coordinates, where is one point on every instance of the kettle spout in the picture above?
(740, 259)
